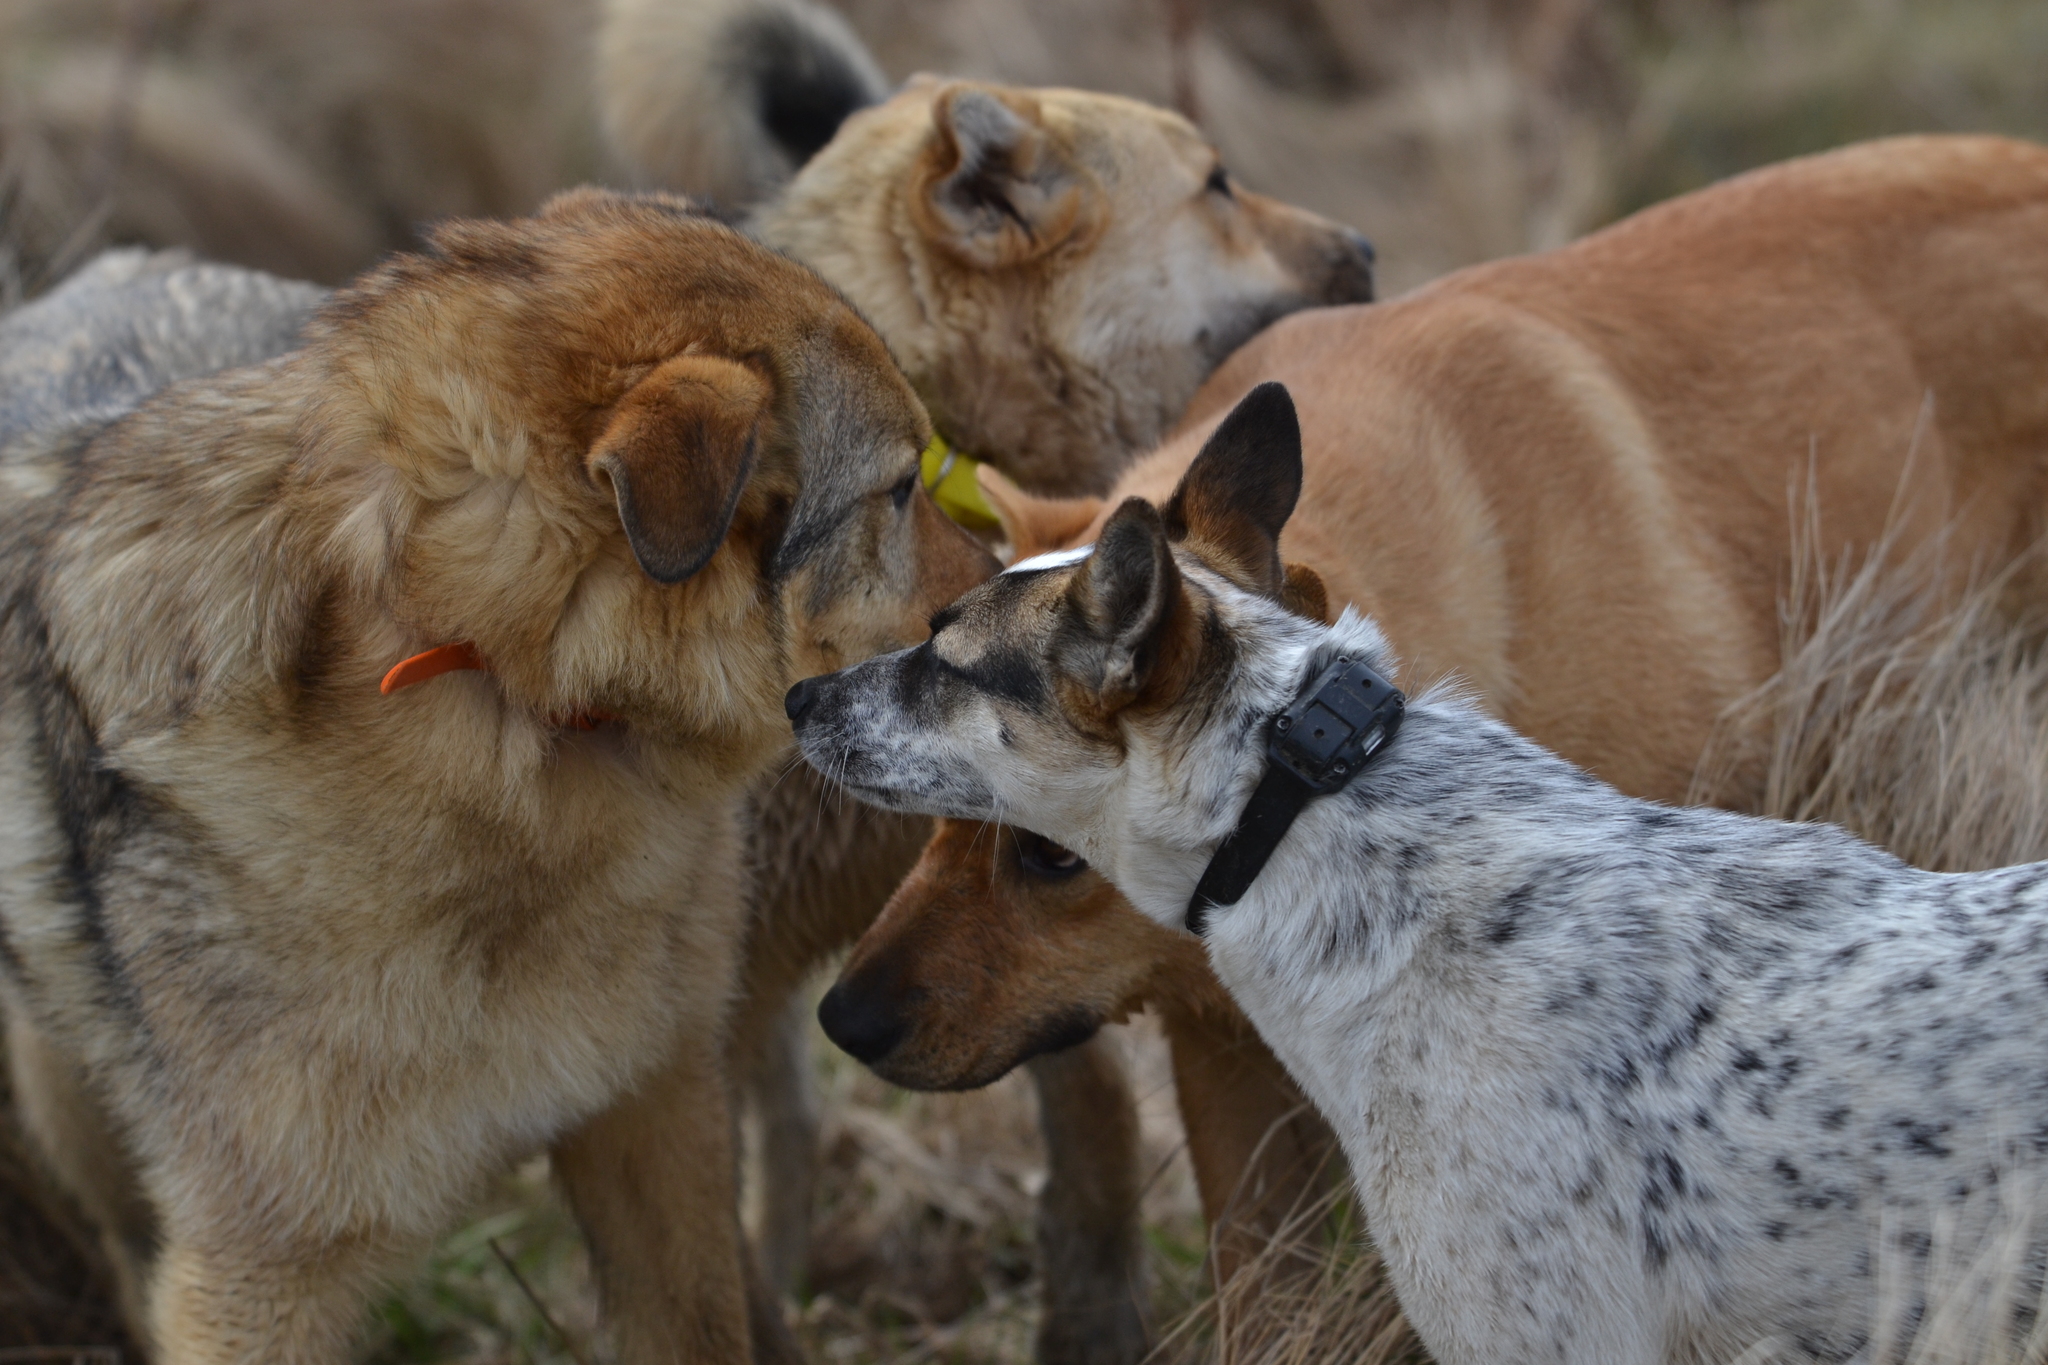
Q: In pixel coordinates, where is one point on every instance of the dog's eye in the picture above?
(900, 493)
(1219, 183)
(1044, 858)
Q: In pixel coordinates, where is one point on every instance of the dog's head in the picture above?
(1002, 944)
(1110, 697)
(1058, 270)
(644, 466)
(998, 946)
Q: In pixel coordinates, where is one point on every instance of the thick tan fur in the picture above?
(1052, 267)
(330, 959)
(1569, 480)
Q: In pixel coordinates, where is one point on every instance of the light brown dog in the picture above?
(292, 966)
(1057, 271)
(1566, 479)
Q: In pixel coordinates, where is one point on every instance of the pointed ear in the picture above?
(1034, 525)
(1241, 489)
(994, 189)
(1302, 593)
(1126, 595)
(678, 451)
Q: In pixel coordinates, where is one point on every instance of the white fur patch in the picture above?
(1054, 559)
(35, 479)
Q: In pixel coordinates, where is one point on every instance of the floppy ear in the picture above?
(1125, 593)
(1242, 488)
(995, 190)
(1034, 525)
(678, 450)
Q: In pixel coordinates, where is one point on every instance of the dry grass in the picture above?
(1912, 706)
(1967, 1291)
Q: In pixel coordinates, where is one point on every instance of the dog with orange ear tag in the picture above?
(372, 725)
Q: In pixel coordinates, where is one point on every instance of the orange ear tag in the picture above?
(432, 664)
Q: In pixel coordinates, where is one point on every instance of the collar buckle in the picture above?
(1329, 734)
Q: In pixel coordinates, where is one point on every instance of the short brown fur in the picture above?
(1567, 479)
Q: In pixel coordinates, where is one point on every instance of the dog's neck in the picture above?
(1156, 851)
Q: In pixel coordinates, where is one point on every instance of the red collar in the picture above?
(463, 658)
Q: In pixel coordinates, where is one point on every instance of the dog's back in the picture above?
(131, 323)
(1569, 477)
(1685, 1080)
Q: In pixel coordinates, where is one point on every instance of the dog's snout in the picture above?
(798, 699)
(866, 1024)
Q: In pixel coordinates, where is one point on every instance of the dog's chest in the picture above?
(454, 992)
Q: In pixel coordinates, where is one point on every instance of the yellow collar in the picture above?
(949, 475)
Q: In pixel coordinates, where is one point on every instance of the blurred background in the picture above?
(308, 137)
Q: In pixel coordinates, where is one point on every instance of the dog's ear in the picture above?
(678, 450)
(1241, 489)
(1302, 593)
(994, 188)
(1034, 525)
(1125, 595)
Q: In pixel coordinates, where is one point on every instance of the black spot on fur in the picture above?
(97, 811)
(1005, 672)
(1507, 917)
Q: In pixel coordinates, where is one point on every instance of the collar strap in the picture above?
(464, 658)
(949, 476)
(1313, 748)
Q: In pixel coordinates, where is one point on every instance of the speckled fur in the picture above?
(1620, 1083)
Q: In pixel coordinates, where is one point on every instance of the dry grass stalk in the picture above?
(1911, 707)
(1316, 1295)
(1966, 1291)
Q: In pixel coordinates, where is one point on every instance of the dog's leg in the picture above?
(1090, 1254)
(652, 1181)
(1261, 1154)
(778, 1081)
(76, 1140)
(216, 1301)
(823, 868)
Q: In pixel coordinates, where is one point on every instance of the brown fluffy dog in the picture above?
(1564, 478)
(304, 963)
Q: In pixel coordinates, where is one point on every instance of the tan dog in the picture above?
(1564, 478)
(327, 959)
(1056, 270)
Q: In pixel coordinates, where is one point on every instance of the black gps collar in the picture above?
(1313, 748)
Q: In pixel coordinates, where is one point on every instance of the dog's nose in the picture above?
(798, 700)
(1352, 279)
(863, 1023)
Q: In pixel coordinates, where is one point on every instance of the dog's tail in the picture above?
(726, 99)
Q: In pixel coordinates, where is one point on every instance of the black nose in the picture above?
(1352, 281)
(798, 700)
(864, 1023)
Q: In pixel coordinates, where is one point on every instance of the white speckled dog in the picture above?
(1620, 1083)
